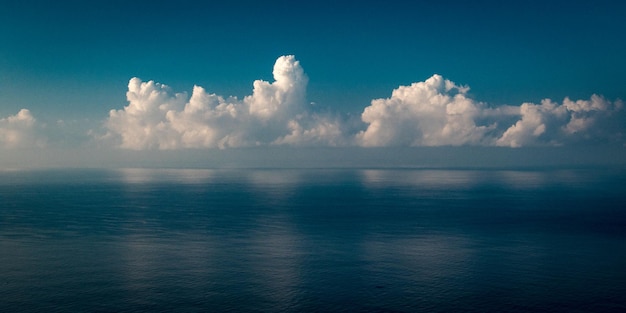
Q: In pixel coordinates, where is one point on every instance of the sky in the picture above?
(393, 83)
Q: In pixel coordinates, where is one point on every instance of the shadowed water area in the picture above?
(313, 240)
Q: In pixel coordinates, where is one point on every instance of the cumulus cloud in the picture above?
(19, 130)
(557, 124)
(434, 112)
(438, 112)
(275, 113)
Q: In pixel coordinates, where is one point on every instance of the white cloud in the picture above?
(275, 113)
(435, 112)
(438, 112)
(282, 98)
(558, 124)
(19, 130)
(431, 113)
(533, 123)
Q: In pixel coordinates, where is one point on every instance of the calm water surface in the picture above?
(313, 240)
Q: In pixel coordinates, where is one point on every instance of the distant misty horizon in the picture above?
(325, 157)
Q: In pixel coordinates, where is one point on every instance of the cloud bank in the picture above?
(435, 112)
(19, 130)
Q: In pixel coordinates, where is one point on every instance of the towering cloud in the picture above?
(18, 130)
(282, 98)
(275, 113)
(435, 112)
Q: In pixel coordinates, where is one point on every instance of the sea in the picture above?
(313, 240)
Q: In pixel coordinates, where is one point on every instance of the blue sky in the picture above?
(70, 62)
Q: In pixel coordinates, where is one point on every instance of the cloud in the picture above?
(438, 112)
(558, 124)
(19, 130)
(532, 124)
(275, 113)
(434, 112)
(282, 98)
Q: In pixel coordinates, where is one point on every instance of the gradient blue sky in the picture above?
(72, 60)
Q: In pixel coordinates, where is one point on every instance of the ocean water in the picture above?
(140, 240)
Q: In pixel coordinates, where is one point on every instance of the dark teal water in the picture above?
(313, 240)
